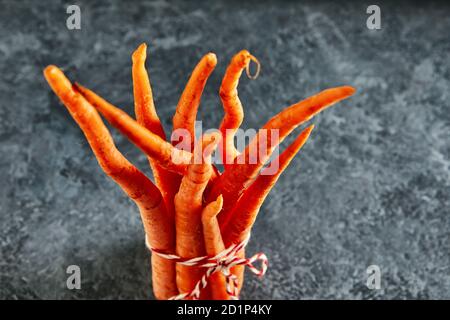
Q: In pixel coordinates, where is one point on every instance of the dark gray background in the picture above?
(370, 187)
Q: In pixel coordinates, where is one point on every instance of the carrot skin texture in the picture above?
(238, 177)
(143, 96)
(134, 183)
(144, 108)
(188, 214)
(214, 245)
(243, 214)
(234, 112)
(151, 144)
(187, 107)
(189, 102)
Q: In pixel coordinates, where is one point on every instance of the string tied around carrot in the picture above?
(221, 262)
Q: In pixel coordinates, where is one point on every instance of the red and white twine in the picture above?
(222, 262)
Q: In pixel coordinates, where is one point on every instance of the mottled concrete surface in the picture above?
(370, 187)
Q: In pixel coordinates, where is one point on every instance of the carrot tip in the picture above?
(310, 128)
(51, 71)
(49, 68)
(219, 200)
(349, 90)
(140, 53)
(211, 59)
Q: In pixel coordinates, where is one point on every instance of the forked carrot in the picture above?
(144, 108)
(234, 113)
(244, 213)
(188, 211)
(158, 226)
(187, 107)
(151, 144)
(214, 245)
(238, 177)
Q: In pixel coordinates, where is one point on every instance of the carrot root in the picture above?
(188, 213)
(214, 245)
(158, 226)
(144, 108)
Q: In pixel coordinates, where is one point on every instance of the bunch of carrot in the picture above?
(191, 209)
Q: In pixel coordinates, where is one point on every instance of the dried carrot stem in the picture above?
(237, 177)
(234, 113)
(158, 226)
(214, 245)
(186, 111)
(188, 211)
(144, 108)
(151, 144)
(244, 213)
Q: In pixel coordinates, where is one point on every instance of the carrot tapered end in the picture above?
(212, 209)
(53, 74)
(140, 53)
(349, 90)
(210, 59)
(305, 133)
(59, 83)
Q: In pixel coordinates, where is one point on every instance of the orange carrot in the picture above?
(158, 227)
(187, 107)
(143, 96)
(144, 108)
(214, 245)
(186, 111)
(236, 178)
(244, 213)
(161, 151)
(234, 113)
(188, 210)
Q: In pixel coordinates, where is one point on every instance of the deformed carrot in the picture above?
(151, 144)
(234, 113)
(158, 226)
(244, 213)
(144, 108)
(237, 177)
(214, 245)
(186, 111)
(188, 211)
